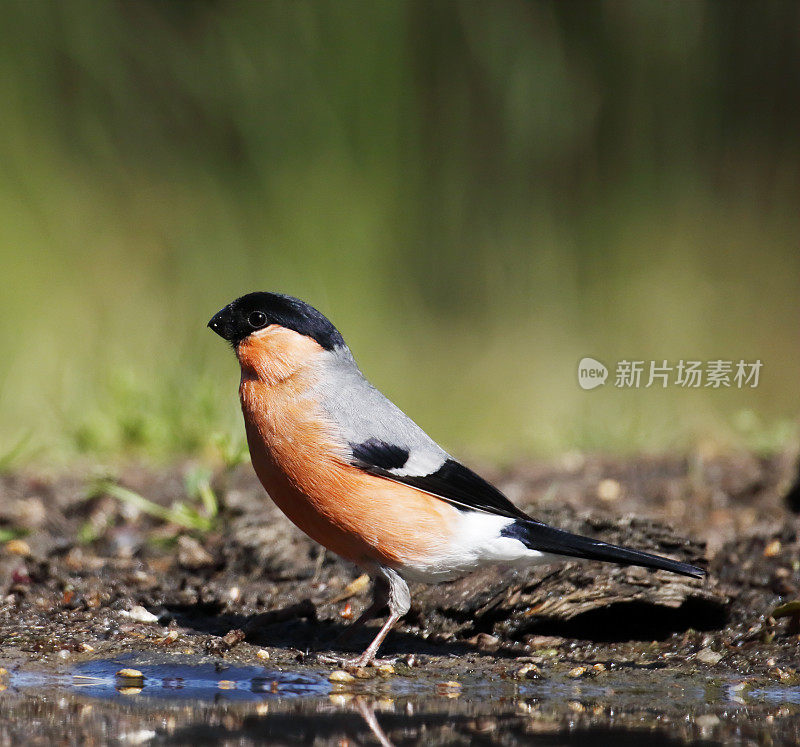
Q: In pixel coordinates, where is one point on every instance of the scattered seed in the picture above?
(772, 549)
(170, 637)
(18, 547)
(353, 588)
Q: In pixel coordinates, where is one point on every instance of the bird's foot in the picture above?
(360, 662)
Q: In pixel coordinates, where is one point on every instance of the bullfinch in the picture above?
(357, 475)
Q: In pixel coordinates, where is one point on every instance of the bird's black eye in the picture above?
(257, 319)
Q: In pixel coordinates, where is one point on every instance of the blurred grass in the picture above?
(478, 195)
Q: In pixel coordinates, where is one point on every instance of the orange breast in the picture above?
(363, 518)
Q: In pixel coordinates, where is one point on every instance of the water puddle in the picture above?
(207, 682)
(189, 701)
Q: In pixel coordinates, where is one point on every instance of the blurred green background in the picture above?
(477, 193)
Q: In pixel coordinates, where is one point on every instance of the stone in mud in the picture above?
(191, 554)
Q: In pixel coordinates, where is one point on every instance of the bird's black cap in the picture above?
(257, 310)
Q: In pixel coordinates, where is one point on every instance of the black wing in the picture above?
(452, 482)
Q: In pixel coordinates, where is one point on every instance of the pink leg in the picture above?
(399, 604)
(380, 598)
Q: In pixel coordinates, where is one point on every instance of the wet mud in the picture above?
(90, 585)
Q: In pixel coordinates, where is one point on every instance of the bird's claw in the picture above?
(360, 662)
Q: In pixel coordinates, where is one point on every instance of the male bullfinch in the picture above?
(357, 475)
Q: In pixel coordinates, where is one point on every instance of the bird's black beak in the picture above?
(221, 323)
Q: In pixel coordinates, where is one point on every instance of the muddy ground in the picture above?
(85, 576)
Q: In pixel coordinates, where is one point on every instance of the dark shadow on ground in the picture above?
(297, 627)
(635, 621)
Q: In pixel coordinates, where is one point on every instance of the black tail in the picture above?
(544, 538)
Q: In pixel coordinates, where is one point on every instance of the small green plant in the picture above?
(14, 453)
(232, 450)
(11, 533)
(198, 484)
(201, 518)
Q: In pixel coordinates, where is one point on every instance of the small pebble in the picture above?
(192, 555)
(63, 654)
(707, 721)
(708, 656)
(130, 674)
(262, 654)
(599, 667)
(385, 670)
(139, 614)
(86, 648)
(234, 637)
(528, 672)
(137, 737)
(340, 676)
(485, 642)
(363, 673)
(170, 637)
(577, 672)
(608, 490)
